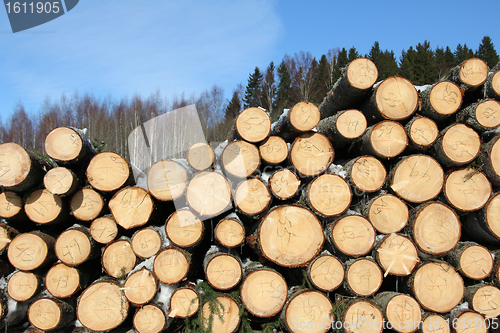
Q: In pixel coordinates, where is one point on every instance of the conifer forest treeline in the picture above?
(301, 77)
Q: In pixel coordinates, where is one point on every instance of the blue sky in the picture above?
(120, 48)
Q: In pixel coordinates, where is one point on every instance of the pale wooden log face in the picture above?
(183, 228)
(486, 300)
(488, 114)
(264, 293)
(274, 150)
(73, 247)
(170, 266)
(200, 156)
(309, 307)
(103, 230)
(493, 215)
(252, 196)
(424, 131)
(22, 286)
(230, 315)
(461, 144)
(223, 272)
(184, 303)
(240, 159)
(146, 243)
(495, 157)
(329, 195)
(86, 204)
(253, 124)
(131, 207)
(140, 287)
(467, 189)
(167, 180)
(58, 180)
(495, 83)
(229, 233)
(351, 124)
(353, 235)
(44, 314)
(42, 206)
(364, 277)
(418, 178)
(362, 73)
(404, 313)
(327, 273)
(445, 98)
(388, 214)
(435, 323)
(290, 236)
(363, 316)
(107, 171)
(63, 144)
(388, 138)
(311, 154)
(149, 319)
(471, 321)
(10, 204)
(397, 255)
(436, 229)
(5, 238)
(304, 116)
(62, 281)
(284, 184)
(396, 98)
(118, 259)
(368, 174)
(208, 193)
(473, 72)
(476, 262)
(438, 287)
(27, 252)
(15, 164)
(102, 306)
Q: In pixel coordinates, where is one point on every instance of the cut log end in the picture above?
(200, 156)
(171, 265)
(404, 313)
(184, 303)
(467, 189)
(435, 323)
(61, 181)
(396, 98)
(118, 259)
(362, 316)
(73, 247)
(11, 204)
(487, 114)
(326, 272)
(304, 116)
(367, 174)
(470, 321)
(62, 281)
(184, 229)
(252, 196)
(397, 255)
(264, 293)
(209, 193)
(167, 180)
(284, 184)
(225, 318)
(417, 178)
(476, 262)
(29, 251)
(362, 73)
(253, 124)
(423, 132)
(45, 314)
(86, 204)
(461, 144)
(240, 159)
(140, 287)
(104, 229)
(15, 167)
(298, 309)
(388, 139)
(230, 232)
(491, 215)
(22, 286)
(274, 150)
(495, 84)
(436, 228)
(223, 271)
(484, 301)
(438, 287)
(351, 124)
(43, 207)
(108, 172)
(388, 214)
(149, 319)
(445, 98)
(353, 235)
(131, 207)
(63, 144)
(311, 154)
(329, 195)
(364, 277)
(290, 236)
(102, 306)
(473, 72)
(146, 243)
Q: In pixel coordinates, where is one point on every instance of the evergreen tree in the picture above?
(424, 65)
(389, 65)
(232, 109)
(487, 52)
(406, 67)
(353, 54)
(268, 89)
(342, 61)
(445, 60)
(321, 80)
(376, 56)
(253, 91)
(463, 53)
(283, 92)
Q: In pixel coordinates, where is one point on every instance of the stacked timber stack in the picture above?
(376, 210)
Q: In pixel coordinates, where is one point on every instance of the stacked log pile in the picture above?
(376, 210)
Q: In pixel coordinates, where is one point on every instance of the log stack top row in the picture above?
(384, 194)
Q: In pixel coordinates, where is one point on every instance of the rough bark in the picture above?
(344, 127)
(482, 116)
(303, 117)
(440, 100)
(456, 145)
(422, 133)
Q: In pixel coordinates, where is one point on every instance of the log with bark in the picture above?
(230, 231)
(362, 315)
(252, 197)
(422, 133)
(140, 287)
(223, 271)
(490, 160)
(385, 139)
(396, 255)
(344, 127)
(184, 229)
(43, 207)
(472, 260)
(467, 190)
(240, 159)
(69, 146)
(104, 229)
(469, 75)
(108, 172)
(483, 115)
(75, 245)
(167, 180)
(363, 277)
(484, 225)
(302, 117)
(146, 242)
(311, 154)
(131, 207)
(387, 213)
(253, 125)
(171, 265)
(402, 312)
(483, 298)
(32, 250)
(351, 236)
(209, 193)
(283, 184)
(273, 150)
(11, 207)
(200, 156)
(326, 272)
(61, 181)
(150, 318)
(118, 259)
(63, 281)
(366, 174)
(441, 100)
(456, 145)
(493, 85)
(23, 286)
(19, 169)
(50, 313)
(86, 204)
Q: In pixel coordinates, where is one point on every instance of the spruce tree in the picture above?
(253, 91)
(445, 60)
(268, 89)
(283, 92)
(232, 109)
(463, 53)
(342, 61)
(321, 80)
(407, 61)
(424, 65)
(487, 52)
(377, 56)
(353, 54)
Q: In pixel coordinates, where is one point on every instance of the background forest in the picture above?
(301, 77)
